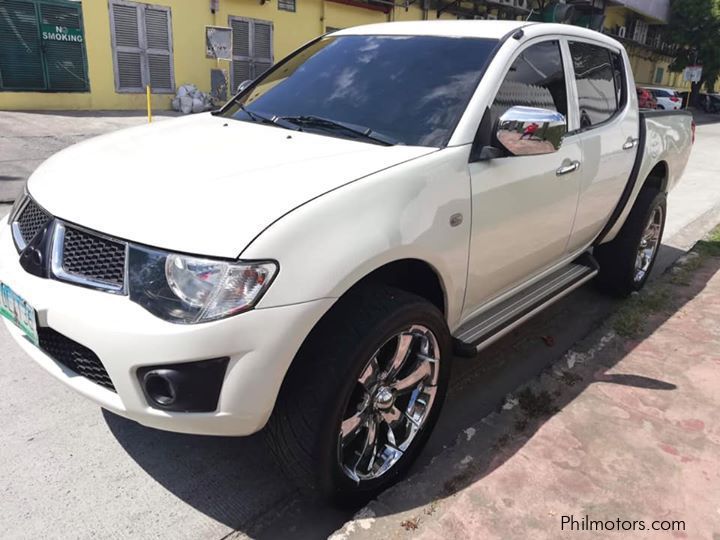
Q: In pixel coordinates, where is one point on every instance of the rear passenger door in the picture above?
(608, 133)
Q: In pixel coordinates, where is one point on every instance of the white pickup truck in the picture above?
(313, 255)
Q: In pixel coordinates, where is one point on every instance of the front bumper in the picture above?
(260, 344)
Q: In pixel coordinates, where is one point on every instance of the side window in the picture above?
(596, 77)
(535, 79)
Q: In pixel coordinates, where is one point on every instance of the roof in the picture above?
(476, 29)
(449, 28)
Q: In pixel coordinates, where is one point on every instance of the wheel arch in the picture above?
(658, 177)
(424, 281)
(411, 275)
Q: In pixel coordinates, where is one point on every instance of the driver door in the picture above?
(523, 207)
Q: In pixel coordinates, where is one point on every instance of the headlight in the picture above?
(184, 289)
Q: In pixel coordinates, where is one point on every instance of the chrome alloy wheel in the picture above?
(391, 401)
(649, 244)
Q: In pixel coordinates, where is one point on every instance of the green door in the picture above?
(42, 46)
(21, 65)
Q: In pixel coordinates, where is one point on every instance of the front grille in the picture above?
(74, 356)
(86, 258)
(93, 257)
(31, 220)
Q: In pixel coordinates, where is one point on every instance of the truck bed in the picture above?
(664, 142)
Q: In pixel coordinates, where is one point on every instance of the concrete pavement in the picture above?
(617, 439)
(29, 138)
(70, 470)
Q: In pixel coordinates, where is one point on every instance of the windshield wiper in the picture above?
(334, 125)
(275, 120)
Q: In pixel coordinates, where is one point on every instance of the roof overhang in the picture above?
(658, 11)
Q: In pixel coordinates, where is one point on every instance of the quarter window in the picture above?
(535, 79)
(595, 75)
(620, 80)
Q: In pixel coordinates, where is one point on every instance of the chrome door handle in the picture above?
(567, 169)
(630, 144)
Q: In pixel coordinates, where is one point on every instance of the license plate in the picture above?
(14, 308)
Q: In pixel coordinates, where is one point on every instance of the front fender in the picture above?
(330, 243)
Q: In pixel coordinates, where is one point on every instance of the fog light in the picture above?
(159, 388)
(187, 387)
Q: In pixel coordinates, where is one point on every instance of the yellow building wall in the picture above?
(291, 30)
(188, 21)
(189, 18)
(643, 62)
(342, 16)
(614, 16)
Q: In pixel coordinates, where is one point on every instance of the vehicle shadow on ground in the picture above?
(233, 480)
(236, 482)
(504, 435)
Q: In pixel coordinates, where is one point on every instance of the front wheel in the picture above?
(626, 262)
(363, 394)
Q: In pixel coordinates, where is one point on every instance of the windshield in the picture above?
(395, 89)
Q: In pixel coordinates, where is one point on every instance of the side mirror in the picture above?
(243, 85)
(530, 131)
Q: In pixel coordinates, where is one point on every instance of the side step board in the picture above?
(491, 325)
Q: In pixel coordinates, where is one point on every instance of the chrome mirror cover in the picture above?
(528, 131)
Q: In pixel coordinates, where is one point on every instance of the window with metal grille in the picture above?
(42, 46)
(142, 47)
(287, 5)
(252, 49)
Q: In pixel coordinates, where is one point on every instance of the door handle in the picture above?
(630, 144)
(567, 169)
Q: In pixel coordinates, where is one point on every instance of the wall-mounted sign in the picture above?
(52, 32)
(218, 42)
(693, 73)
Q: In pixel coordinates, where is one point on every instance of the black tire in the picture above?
(304, 429)
(617, 259)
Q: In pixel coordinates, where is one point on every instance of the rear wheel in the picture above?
(363, 394)
(626, 262)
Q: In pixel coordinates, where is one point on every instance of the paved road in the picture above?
(68, 469)
(29, 138)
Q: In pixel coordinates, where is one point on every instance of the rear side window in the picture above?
(620, 82)
(595, 74)
(535, 79)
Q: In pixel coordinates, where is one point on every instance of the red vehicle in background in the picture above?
(645, 99)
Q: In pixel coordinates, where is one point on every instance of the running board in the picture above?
(491, 325)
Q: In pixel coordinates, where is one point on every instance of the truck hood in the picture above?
(201, 184)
